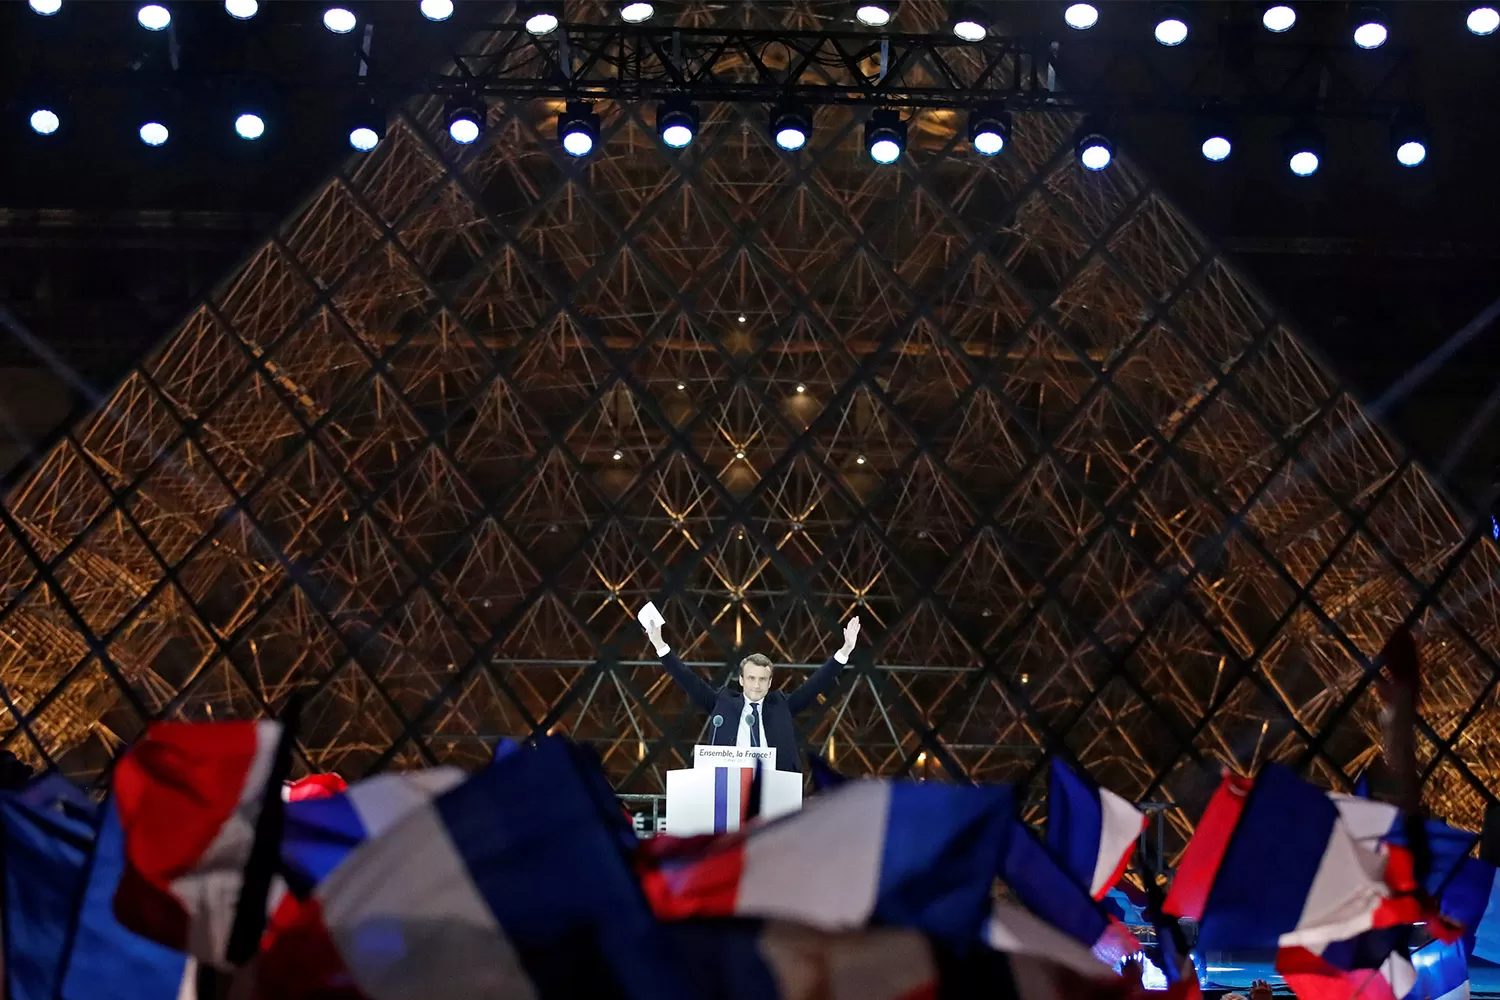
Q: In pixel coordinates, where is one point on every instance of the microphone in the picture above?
(718, 721)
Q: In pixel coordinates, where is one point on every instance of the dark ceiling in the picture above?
(105, 244)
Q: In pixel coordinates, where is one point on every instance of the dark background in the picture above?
(105, 244)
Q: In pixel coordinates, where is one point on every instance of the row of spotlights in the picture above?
(968, 24)
(1370, 29)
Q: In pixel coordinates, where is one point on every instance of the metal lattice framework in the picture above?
(428, 450)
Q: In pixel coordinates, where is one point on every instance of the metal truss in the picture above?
(425, 453)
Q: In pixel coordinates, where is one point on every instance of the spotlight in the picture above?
(885, 135)
(363, 138)
(1409, 140)
(366, 126)
(968, 22)
(436, 10)
(989, 130)
(241, 10)
(154, 133)
(47, 8)
(1217, 147)
(801, 388)
(154, 17)
(1094, 149)
(339, 20)
(859, 460)
(44, 121)
(791, 125)
(249, 126)
(578, 128)
(1081, 16)
(1370, 31)
(1278, 18)
(635, 13)
(1481, 20)
(541, 18)
(1304, 151)
(1216, 140)
(1171, 25)
(875, 15)
(618, 455)
(739, 453)
(465, 119)
(677, 121)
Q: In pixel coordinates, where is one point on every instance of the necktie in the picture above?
(755, 724)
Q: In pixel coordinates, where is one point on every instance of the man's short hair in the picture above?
(755, 660)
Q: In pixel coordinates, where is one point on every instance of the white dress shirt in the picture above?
(743, 739)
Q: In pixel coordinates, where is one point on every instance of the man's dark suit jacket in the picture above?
(775, 712)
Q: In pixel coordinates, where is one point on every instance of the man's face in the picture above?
(755, 681)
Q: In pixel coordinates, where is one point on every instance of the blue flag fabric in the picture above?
(108, 962)
(45, 855)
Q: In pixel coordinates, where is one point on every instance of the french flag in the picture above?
(511, 884)
(189, 798)
(1274, 865)
(1041, 882)
(1442, 971)
(314, 786)
(908, 854)
(1382, 828)
(1091, 830)
(321, 832)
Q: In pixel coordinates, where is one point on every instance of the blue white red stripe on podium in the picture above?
(915, 855)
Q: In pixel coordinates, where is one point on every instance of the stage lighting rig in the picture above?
(153, 17)
(1094, 148)
(1278, 17)
(1216, 138)
(989, 130)
(465, 119)
(1483, 20)
(885, 135)
(1171, 25)
(791, 125)
(1370, 31)
(677, 121)
(436, 10)
(578, 128)
(874, 15)
(540, 16)
(241, 10)
(1081, 16)
(637, 11)
(968, 21)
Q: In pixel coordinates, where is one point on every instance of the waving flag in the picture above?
(1091, 830)
(1369, 967)
(107, 961)
(1473, 899)
(1274, 865)
(1049, 890)
(46, 853)
(511, 884)
(314, 786)
(1380, 826)
(189, 798)
(908, 854)
(320, 833)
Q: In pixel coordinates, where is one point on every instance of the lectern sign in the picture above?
(707, 755)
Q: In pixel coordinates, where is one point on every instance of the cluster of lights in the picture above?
(1369, 29)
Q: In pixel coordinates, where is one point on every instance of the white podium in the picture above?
(711, 796)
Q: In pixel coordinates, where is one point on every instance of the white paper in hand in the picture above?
(649, 617)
